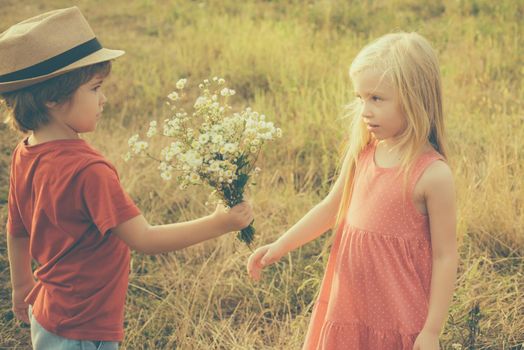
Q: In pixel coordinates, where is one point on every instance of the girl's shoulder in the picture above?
(437, 176)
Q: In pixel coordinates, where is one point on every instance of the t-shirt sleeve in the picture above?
(15, 226)
(105, 201)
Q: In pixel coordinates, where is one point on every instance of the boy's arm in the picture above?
(21, 274)
(141, 236)
(440, 202)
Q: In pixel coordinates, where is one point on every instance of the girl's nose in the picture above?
(103, 99)
(366, 110)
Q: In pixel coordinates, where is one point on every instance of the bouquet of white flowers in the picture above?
(211, 145)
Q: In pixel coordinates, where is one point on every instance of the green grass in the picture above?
(290, 60)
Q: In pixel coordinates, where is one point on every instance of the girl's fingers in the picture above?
(267, 259)
(254, 272)
(253, 265)
(251, 260)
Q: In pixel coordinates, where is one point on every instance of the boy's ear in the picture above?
(51, 104)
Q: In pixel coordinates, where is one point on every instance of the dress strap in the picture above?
(423, 162)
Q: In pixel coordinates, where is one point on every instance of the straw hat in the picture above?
(46, 46)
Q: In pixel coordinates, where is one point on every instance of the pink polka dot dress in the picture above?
(375, 291)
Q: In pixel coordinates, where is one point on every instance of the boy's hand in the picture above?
(236, 218)
(262, 257)
(20, 307)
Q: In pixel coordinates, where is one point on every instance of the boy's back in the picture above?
(68, 197)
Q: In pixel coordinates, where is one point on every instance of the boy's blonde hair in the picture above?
(26, 108)
(411, 65)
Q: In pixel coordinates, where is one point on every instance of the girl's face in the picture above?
(381, 110)
(83, 110)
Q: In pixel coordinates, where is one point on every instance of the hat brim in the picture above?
(101, 55)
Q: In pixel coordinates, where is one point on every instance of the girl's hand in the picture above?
(20, 307)
(426, 341)
(236, 218)
(262, 257)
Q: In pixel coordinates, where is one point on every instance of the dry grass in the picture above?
(289, 59)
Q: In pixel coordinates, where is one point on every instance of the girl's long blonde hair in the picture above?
(411, 64)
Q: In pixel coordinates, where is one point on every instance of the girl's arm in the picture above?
(142, 237)
(315, 223)
(21, 274)
(440, 202)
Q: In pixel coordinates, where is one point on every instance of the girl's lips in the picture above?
(371, 126)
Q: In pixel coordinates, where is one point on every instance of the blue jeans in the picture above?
(44, 340)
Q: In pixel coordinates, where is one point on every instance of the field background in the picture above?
(290, 61)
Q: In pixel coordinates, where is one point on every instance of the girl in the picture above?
(390, 275)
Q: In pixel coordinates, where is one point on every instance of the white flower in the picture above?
(152, 129)
(214, 166)
(181, 84)
(140, 147)
(266, 136)
(165, 166)
(137, 147)
(210, 139)
(166, 176)
(194, 178)
(165, 171)
(132, 140)
(227, 92)
(203, 138)
(173, 96)
(200, 102)
(195, 144)
(218, 139)
(192, 159)
(230, 147)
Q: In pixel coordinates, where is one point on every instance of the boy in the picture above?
(67, 209)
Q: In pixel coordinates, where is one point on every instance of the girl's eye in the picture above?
(96, 88)
(376, 98)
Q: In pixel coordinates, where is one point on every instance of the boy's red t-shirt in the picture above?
(65, 196)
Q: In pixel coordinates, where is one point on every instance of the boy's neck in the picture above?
(52, 132)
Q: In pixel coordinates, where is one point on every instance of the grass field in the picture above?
(290, 60)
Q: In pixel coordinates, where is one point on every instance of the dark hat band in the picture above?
(54, 63)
